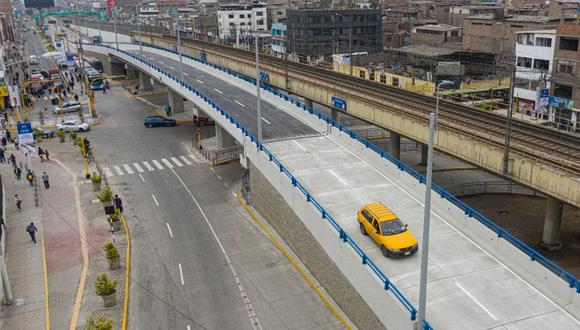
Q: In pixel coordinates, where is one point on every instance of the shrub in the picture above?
(96, 178)
(104, 286)
(61, 132)
(111, 251)
(101, 323)
(73, 135)
(105, 195)
(114, 217)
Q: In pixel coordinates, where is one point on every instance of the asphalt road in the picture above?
(276, 124)
(184, 221)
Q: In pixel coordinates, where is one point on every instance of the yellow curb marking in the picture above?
(83, 278)
(46, 309)
(127, 272)
(298, 268)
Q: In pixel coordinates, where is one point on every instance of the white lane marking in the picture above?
(233, 193)
(166, 162)
(267, 122)
(338, 177)
(161, 63)
(142, 178)
(298, 144)
(250, 309)
(240, 103)
(195, 159)
(181, 274)
(148, 166)
(226, 185)
(118, 170)
(186, 74)
(107, 171)
(169, 229)
(185, 160)
(128, 169)
(172, 68)
(138, 167)
(199, 81)
(177, 162)
(217, 90)
(219, 177)
(476, 301)
(156, 163)
(155, 200)
(211, 169)
(188, 327)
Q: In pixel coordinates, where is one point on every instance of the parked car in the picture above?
(386, 230)
(74, 125)
(46, 133)
(155, 121)
(97, 86)
(69, 106)
(33, 59)
(202, 120)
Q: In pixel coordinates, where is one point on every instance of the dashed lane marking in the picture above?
(128, 169)
(177, 162)
(167, 163)
(138, 167)
(148, 166)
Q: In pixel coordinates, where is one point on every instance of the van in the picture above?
(386, 230)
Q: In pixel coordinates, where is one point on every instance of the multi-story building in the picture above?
(276, 12)
(205, 27)
(566, 8)
(317, 34)
(435, 34)
(534, 62)
(236, 20)
(564, 98)
(279, 39)
(207, 7)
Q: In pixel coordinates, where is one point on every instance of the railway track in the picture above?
(558, 149)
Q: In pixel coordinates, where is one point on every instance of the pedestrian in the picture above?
(118, 203)
(46, 155)
(8, 135)
(136, 89)
(104, 90)
(45, 180)
(12, 159)
(45, 110)
(30, 177)
(31, 229)
(41, 154)
(18, 202)
(107, 85)
(76, 97)
(2, 156)
(18, 173)
(64, 93)
(72, 84)
(3, 141)
(16, 145)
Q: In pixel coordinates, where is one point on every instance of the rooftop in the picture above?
(538, 31)
(438, 27)
(518, 18)
(425, 50)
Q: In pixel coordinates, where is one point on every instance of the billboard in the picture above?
(38, 3)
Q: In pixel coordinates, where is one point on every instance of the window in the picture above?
(362, 74)
(543, 65)
(367, 216)
(568, 67)
(544, 42)
(383, 78)
(568, 43)
(231, 24)
(260, 22)
(563, 91)
(259, 13)
(372, 76)
(242, 23)
(376, 225)
(242, 16)
(525, 62)
(231, 16)
(526, 39)
(395, 82)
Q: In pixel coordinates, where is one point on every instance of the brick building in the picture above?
(435, 34)
(566, 8)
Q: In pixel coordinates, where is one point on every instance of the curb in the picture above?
(127, 273)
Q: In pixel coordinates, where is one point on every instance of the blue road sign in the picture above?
(338, 103)
(24, 128)
(264, 76)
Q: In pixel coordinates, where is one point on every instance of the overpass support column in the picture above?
(175, 101)
(335, 115)
(224, 139)
(424, 152)
(552, 224)
(117, 69)
(145, 82)
(395, 144)
(309, 103)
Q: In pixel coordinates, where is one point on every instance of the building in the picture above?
(317, 34)
(564, 99)
(565, 8)
(276, 12)
(208, 7)
(235, 20)
(534, 62)
(205, 27)
(279, 38)
(435, 34)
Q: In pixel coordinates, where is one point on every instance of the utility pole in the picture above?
(258, 98)
(179, 45)
(115, 26)
(99, 28)
(139, 30)
(350, 49)
(508, 128)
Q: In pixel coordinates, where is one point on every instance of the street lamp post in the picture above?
(139, 30)
(115, 26)
(258, 98)
(179, 45)
(99, 28)
(427, 211)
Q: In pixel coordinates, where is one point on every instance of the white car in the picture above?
(69, 106)
(33, 59)
(74, 125)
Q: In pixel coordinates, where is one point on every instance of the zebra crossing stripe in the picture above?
(195, 159)
(128, 169)
(108, 172)
(148, 166)
(167, 163)
(185, 160)
(156, 163)
(177, 162)
(118, 170)
(138, 167)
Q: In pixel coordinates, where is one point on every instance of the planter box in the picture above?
(109, 209)
(110, 300)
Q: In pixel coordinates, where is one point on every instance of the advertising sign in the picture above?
(338, 103)
(25, 133)
(39, 3)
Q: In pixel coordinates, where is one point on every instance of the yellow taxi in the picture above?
(385, 228)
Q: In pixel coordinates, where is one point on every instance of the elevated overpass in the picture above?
(480, 275)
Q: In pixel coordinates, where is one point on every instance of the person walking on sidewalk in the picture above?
(30, 177)
(46, 155)
(118, 203)
(2, 156)
(31, 229)
(41, 154)
(12, 159)
(45, 180)
(18, 173)
(18, 202)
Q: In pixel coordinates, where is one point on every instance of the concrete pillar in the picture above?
(335, 115)
(224, 139)
(175, 101)
(8, 297)
(309, 103)
(117, 69)
(424, 154)
(145, 82)
(552, 224)
(395, 144)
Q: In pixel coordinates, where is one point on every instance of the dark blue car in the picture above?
(154, 121)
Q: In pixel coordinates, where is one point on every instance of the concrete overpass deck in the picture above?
(468, 288)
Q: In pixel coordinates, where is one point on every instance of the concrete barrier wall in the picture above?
(108, 37)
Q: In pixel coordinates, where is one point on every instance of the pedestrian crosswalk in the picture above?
(146, 165)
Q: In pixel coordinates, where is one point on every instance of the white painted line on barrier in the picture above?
(169, 229)
(217, 90)
(177, 162)
(167, 163)
(186, 74)
(267, 122)
(142, 178)
(476, 301)
(199, 81)
(172, 68)
(118, 170)
(138, 167)
(155, 200)
(181, 274)
(298, 144)
(338, 177)
(240, 103)
(185, 160)
(161, 63)
(148, 166)
(156, 163)
(128, 169)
